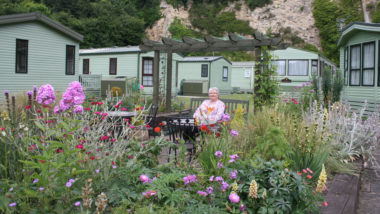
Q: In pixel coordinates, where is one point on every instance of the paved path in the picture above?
(369, 196)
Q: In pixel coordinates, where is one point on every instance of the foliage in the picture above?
(326, 13)
(376, 14)
(266, 86)
(92, 18)
(349, 133)
(271, 145)
(326, 85)
(179, 30)
(206, 17)
(337, 86)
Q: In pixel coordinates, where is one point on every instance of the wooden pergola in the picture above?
(209, 43)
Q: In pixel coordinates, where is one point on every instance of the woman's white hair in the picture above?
(214, 89)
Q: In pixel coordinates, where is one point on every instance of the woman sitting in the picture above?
(210, 111)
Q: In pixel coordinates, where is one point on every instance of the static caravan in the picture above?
(296, 66)
(359, 46)
(36, 50)
(197, 74)
(126, 63)
(242, 76)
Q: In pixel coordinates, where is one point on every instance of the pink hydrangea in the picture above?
(45, 94)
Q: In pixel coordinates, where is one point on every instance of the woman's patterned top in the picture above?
(209, 112)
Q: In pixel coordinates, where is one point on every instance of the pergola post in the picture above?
(156, 77)
(169, 81)
(257, 72)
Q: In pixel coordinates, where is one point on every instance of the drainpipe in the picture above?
(209, 75)
(138, 66)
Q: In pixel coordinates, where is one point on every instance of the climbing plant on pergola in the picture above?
(209, 43)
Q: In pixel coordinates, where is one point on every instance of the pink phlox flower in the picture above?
(211, 178)
(36, 180)
(12, 204)
(46, 94)
(190, 179)
(141, 87)
(150, 193)
(233, 174)
(309, 170)
(219, 165)
(210, 190)
(234, 198)
(219, 179)
(218, 154)
(224, 186)
(144, 178)
(78, 109)
(202, 193)
(77, 203)
(226, 117)
(234, 133)
(234, 158)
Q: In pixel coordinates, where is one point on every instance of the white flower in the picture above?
(3, 133)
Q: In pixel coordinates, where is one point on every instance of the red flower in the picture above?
(38, 111)
(325, 203)
(147, 125)
(113, 140)
(209, 132)
(99, 103)
(79, 146)
(161, 124)
(143, 145)
(299, 173)
(107, 153)
(93, 103)
(48, 121)
(113, 163)
(42, 161)
(2, 129)
(137, 109)
(27, 107)
(87, 109)
(218, 134)
(46, 106)
(59, 150)
(116, 106)
(157, 129)
(212, 125)
(92, 157)
(32, 147)
(130, 157)
(309, 176)
(203, 128)
(104, 138)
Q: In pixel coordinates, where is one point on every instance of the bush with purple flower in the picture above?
(46, 95)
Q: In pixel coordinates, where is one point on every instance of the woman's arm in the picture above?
(198, 113)
(220, 110)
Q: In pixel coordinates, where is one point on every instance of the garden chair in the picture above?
(181, 129)
(150, 120)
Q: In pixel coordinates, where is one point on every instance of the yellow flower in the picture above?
(234, 186)
(253, 189)
(4, 115)
(321, 186)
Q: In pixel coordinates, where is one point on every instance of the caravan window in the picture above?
(298, 67)
(86, 66)
(280, 67)
(314, 67)
(147, 72)
(70, 60)
(355, 65)
(225, 73)
(21, 56)
(368, 64)
(113, 66)
(204, 71)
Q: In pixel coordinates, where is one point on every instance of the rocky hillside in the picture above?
(292, 17)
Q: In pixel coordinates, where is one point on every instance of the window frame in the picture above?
(284, 60)
(145, 75)
(25, 52)
(350, 69)
(345, 66)
(112, 60)
(311, 72)
(67, 59)
(225, 78)
(307, 73)
(202, 73)
(378, 63)
(88, 66)
(362, 63)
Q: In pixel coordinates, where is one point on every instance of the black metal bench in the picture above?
(231, 105)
